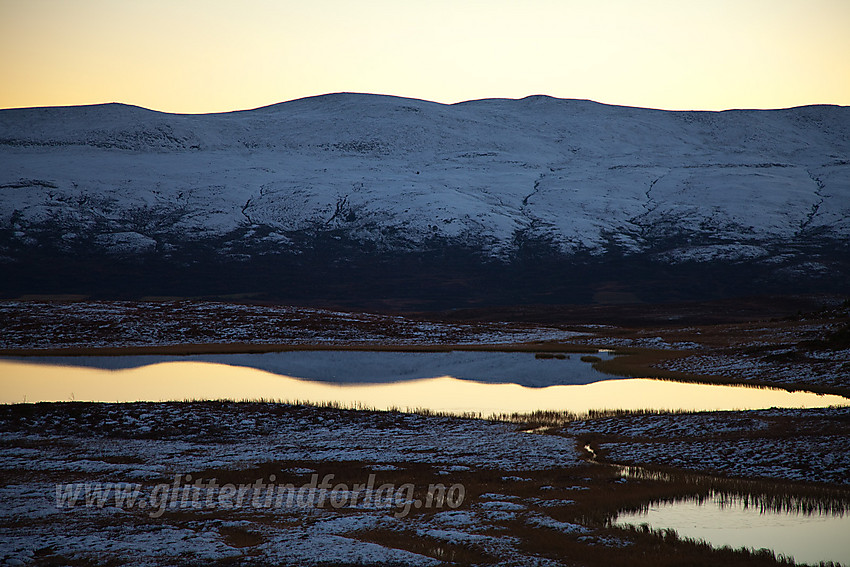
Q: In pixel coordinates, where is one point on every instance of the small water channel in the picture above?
(457, 381)
(812, 537)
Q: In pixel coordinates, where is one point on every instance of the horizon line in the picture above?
(368, 94)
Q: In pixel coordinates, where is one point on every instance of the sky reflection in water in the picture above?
(808, 538)
(181, 379)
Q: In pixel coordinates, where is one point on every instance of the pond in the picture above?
(721, 521)
(457, 381)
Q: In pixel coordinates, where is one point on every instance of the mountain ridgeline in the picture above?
(378, 201)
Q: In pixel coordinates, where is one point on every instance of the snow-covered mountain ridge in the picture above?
(392, 175)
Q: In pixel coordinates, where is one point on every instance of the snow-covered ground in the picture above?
(798, 445)
(150, 443)
(45, 325)
(516, 485)
(804, 351)
(823, 368)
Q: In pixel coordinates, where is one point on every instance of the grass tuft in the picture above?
(556, 418)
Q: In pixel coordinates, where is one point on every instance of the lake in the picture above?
(457, 381)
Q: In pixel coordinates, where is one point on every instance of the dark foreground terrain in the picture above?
(94, 484)
(227, 483)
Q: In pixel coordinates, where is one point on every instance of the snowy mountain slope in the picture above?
(383, 175)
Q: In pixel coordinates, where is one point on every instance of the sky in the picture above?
(202, 56)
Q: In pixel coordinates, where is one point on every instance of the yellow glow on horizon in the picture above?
(205, 56)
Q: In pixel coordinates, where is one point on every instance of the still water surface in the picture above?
(809, 538)
(460, 381)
